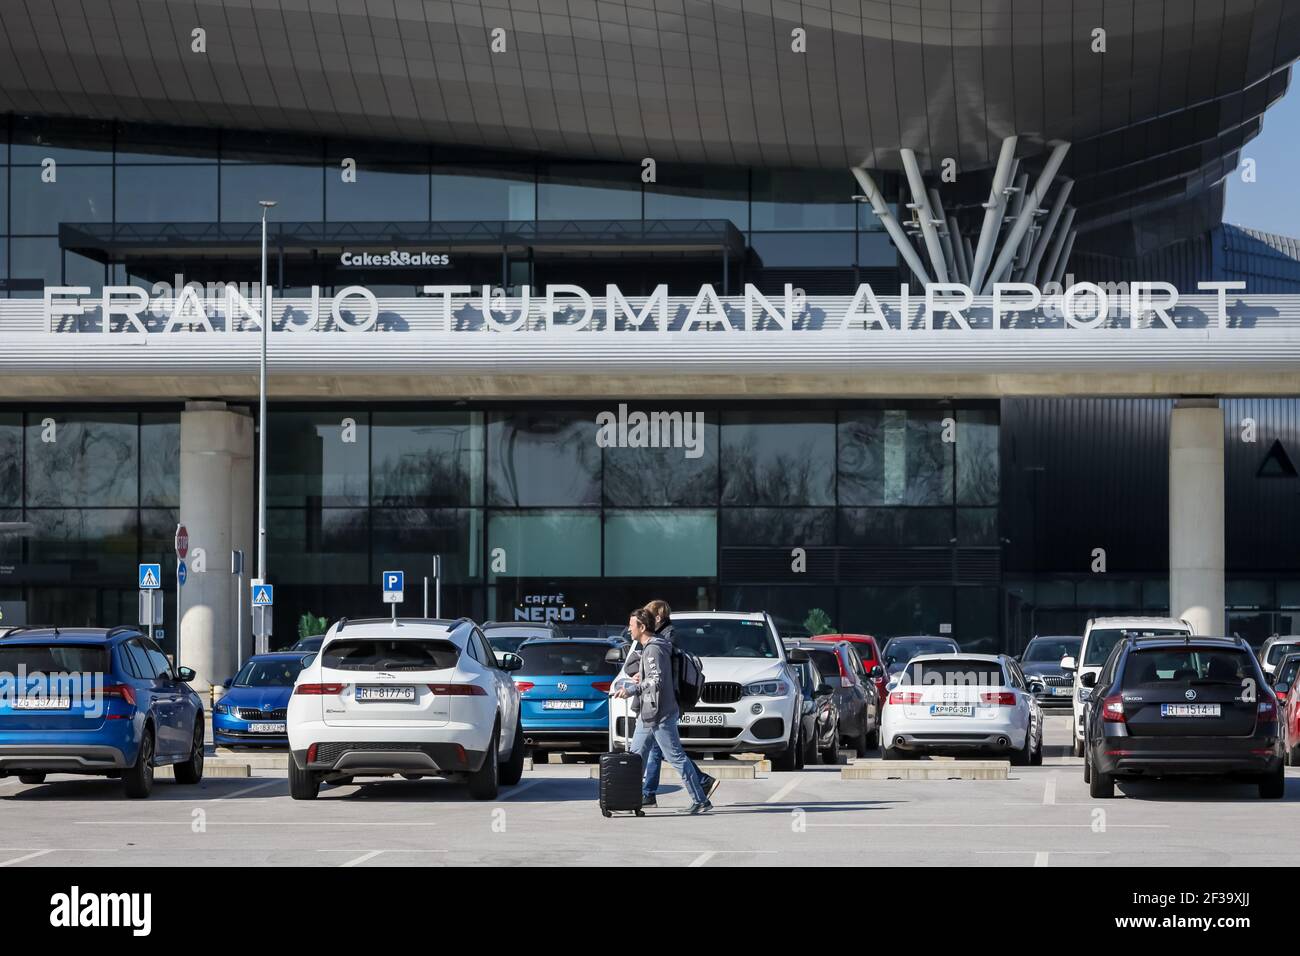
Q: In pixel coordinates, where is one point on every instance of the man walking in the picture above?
(657, 710)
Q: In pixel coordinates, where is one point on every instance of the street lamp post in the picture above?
(266, 205)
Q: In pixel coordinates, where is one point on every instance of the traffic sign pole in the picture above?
(149, 577)
(182, 544)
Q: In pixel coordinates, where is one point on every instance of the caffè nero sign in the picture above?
(571, 309)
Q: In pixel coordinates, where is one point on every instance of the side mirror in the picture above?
(824, 690)
(1069, 664)
(511, 662)
(1036, 686)
(614, 655)
(796, 656)
(876, 672)
(1088, 680)
(227, 682)
(185, 674)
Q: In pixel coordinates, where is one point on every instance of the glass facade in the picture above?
(797, 226)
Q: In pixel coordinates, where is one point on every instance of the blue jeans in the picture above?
(662, 741)
(652, 764)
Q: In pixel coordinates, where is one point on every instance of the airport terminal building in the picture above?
(921, 315)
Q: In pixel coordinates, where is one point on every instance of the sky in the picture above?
(1272, 202)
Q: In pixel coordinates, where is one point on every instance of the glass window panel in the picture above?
(802, 199)
(4, 207)
(1155, 596)
(778, 527)
(589, 192)
(1250, 594)
(158, 540)
(160, 459)
(876, 250)
(427, 458)
(42, 260)
(260, 146)
(894, 457)
(549, 544)
(297, 190)
(892, 527)
(79, 194)
(976, 626)
(692, 192)
(173, 145)
(666, 475)
(670, 544)
(483, 195)
(11, 458)
(325, 546)
(87, 459)
(817, 249)
(166, 194)
(778, 458)
(310, 463)
(977, 526)
(887, 612)
(63, 140)
(543, 458)
(1288, 594)
(98, 545)
(406, 538)
(789, 606)
(1109, 593)
(1055, 593)
(388, 194)
(976, 449)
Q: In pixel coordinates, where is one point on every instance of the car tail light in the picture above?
(122, 691)
(1112, 710)
(1001, 698)
(524, 686)
(318, 690)
(602, 686)
(311, 753)
(904, 696)
(458, 690)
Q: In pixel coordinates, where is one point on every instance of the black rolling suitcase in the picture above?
(620, 772)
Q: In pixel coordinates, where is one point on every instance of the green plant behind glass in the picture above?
(818, 622)
(310, 625)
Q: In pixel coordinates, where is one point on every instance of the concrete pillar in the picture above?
(216, 483)
(1196, 549)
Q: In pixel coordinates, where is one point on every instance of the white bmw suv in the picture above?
(752, 696)
(419, 698)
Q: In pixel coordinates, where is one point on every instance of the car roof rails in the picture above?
(31, 627)
(451, 625)
(121, 629)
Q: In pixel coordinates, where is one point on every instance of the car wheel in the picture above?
(831, 754)
(1101, 786)
(810, 754)
(513, 769)
(1273, 786)
(191, 771)
(787, 758)
(485, 781)
(303, 784)
(138, 779)
(31, 778)
(872, 741)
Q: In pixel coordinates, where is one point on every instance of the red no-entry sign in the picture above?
(182, 541)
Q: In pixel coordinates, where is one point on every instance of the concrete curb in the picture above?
(928, 770)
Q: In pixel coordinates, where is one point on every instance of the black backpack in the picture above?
(688, 678)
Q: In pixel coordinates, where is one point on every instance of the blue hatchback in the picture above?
(96, 701)
(564, 692)
(252, 714)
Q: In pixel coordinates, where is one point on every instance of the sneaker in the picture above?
(649, 802)
(710, 785)
(696, 809)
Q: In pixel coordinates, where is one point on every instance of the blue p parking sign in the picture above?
(394, 583)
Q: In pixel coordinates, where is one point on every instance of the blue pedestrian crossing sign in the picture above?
(394, 584)
(263, 595)
(150, 577)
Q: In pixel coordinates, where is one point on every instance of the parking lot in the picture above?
(1038, 815)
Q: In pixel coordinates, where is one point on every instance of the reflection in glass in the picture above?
(894, 457)
(387, 194)
(696, 192)
(166, 194)
(427, 458)
(318, 459)
(405, 538)
(63, 140)
(595, 191)
(977, 526)
(895, 611)
(665, 476)
(976, 626)
(895, 527)
(778, 527)
(160, 459)
(789, 606)
(977, 457)
(543, 458)
(778, 458)
(11, 459)
(297, 190)
(801, 199)
(549, 544)
(671, 544)
(80, 194)
(484, 195)
(325, 546)
(99, 543)
(86, 459)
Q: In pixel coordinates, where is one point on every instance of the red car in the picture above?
(1288, 705)
(869, 654)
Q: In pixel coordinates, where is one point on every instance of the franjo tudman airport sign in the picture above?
(565, 309)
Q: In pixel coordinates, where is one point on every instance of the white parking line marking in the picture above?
(362, 859)
(1040, 859)
(1049, 791)
(249, 823)
(20, 859)
(703, 858)
(240, 793)
(998, 826)
(784, 791)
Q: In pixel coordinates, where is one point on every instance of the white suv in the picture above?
(752, 696)
(1099, 639)
(419, 698)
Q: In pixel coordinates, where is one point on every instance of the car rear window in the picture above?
(1279, 651)
(508, 639)
(1103, 640)
(1286, 671)
(953, 673)
(901, 650)
(1182, 667)
(277, 673)
(379, 654)
(54, 658)
(567, 659)
(1051, 650)
(827, 662)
